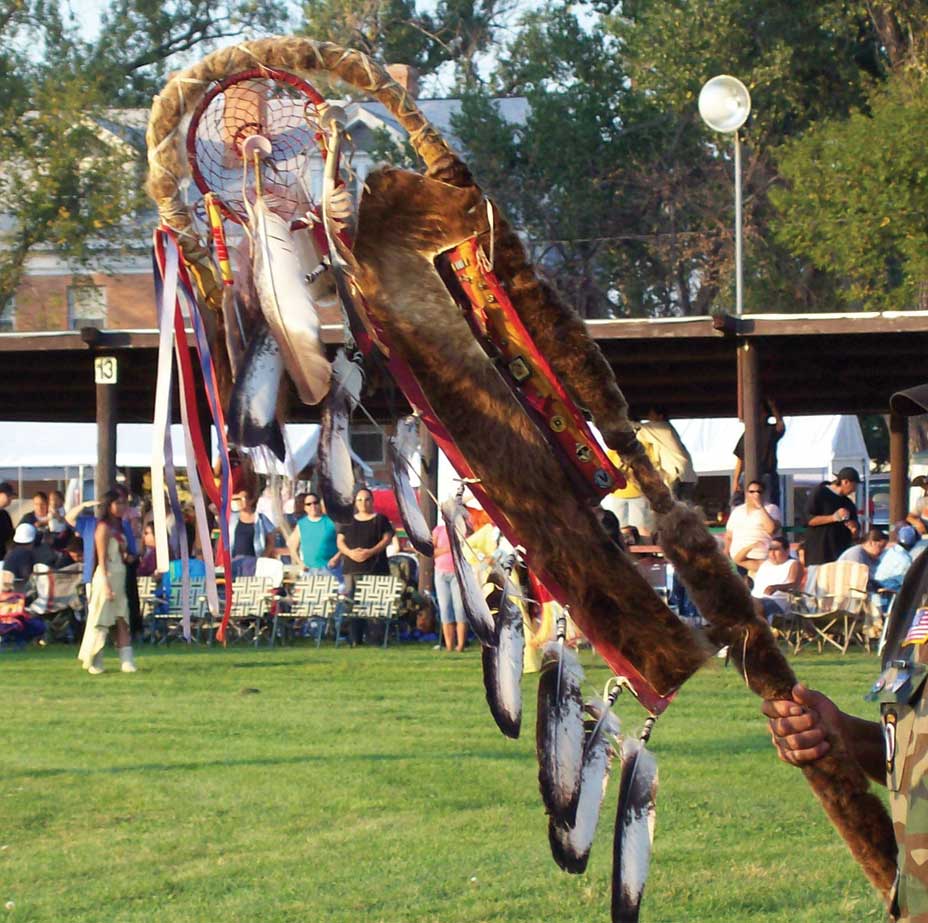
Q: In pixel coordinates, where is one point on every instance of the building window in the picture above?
(86, 306)
(367, 444)
(8, 316)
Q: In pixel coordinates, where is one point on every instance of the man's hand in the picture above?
(801, 727)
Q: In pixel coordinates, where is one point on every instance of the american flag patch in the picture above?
(918, 632)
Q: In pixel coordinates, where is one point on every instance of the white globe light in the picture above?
(724, 103)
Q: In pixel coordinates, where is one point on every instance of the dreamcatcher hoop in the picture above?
(224, 122)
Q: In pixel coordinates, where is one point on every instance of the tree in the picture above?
(70, 181)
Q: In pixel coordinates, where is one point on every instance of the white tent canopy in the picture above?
(47, 450)
(812, 448)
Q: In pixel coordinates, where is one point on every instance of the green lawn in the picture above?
(329, 786)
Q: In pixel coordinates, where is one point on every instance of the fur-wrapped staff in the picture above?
(559, 733)
(412, 232)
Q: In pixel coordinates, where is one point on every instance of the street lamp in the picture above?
(725, 104)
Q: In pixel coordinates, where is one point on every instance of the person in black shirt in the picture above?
(832, 521)
(7, 496)
(770, 435)
(20, 559)
(363, 544)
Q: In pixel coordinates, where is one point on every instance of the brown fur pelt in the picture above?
(404, 220)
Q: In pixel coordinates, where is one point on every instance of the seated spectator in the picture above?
(867, 552)
(750, 528)
(148, 562)
(897, 558)
(57, 524)
(38, 517)
(19, 560)
(631, 536)
(776, 577)
(71, 555)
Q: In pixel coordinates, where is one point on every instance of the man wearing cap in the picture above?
(7, 495)
(832, 522)
(20, 559)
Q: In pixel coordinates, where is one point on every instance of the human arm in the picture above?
(736, 473)
(294, 544)
(75, 511)
(778, 420)
(807, 726)
(382, 543)
(353, 554)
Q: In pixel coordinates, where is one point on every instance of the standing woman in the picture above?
(448, 591)
(363, 546)
(108, 602)
(253, 534)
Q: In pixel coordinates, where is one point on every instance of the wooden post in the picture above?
(749, 406)
(106, 378)
(898, 467)
(428, 485)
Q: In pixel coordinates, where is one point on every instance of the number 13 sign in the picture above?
(105, 370)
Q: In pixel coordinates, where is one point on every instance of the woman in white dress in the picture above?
(109, 605)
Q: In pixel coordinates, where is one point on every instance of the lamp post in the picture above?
(725, 104)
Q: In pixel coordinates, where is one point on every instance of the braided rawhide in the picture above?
(721, 597)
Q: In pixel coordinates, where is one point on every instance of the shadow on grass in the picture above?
(54, 772)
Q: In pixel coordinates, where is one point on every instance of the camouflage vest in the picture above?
(903, 695)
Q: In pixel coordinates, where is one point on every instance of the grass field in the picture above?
(369, 785)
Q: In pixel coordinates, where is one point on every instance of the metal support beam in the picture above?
(428, 488)
(898, 467)
(749, 409)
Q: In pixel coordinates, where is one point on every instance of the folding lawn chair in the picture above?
(375, 598)
(838, 611)
(251, 600)
(311, 602)
(58, 600)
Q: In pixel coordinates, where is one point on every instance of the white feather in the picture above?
(559, 734)
(634, 830)
(287, 302)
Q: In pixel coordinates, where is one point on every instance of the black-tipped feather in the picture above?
(559, 732)
(502, 664)
(634, 831)
(570, 845)
(252, 419)
(417, 530)
(336, 474)
(476, 609)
